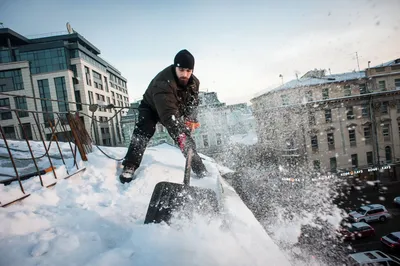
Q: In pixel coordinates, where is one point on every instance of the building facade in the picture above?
(67, 68)
(346, 123)
(218, 122)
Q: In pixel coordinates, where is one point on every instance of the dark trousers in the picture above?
(143, 132)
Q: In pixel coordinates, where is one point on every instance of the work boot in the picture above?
(127, 174)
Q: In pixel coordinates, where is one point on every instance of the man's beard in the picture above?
(183, 82)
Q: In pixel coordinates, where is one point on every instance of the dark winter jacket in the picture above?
(171, 102)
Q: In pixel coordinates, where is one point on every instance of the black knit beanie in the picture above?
(184, 59)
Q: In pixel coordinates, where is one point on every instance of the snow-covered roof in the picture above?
(307, 81)
(334, 78)
(389, 63)
(93, 219)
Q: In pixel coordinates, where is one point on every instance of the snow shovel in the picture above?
(183, 199)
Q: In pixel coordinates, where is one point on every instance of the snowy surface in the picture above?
(305, 82)
(92, 219)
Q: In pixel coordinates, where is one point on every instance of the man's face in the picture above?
(183, 75)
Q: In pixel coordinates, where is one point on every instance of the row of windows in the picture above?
(46, 60)
(354, 160)
(76, 53)
(382, 85)
(117, 80)
(20, 103)
(352, 137)
(92, 61)
(11, 80)
(365, 112)
(118, 88)
(347, 91)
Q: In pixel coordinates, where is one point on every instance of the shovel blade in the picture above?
(169, 198)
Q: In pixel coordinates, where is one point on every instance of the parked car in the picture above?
(370, 213)
(396, 201)
(391, 241)
(356, 231)
(374, 257)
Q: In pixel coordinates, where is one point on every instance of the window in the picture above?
(5, 56)
(11, 80)
(205, 141)
(354, 160)
(219, 139)
(61, 92)
(44, 92)
(317, 165)
(347, 90)
(87, 75)
(350, 112)
(314, 143)
(96, 75)
(370, 158)
(325, 93)
(367, 135)
(388, 154)
(382, 85)
(385, 108)
(106, 84)
(363, 89)
(108, 103)
(91, 97)
(9, 132)
(20, 103)
(78, 100)
(352, 138)
(328, 115)
(386, 132)
(331, 141)
(365, 110)
(397, 84)
(4, 114)
(309, 97)
(311, 118)
(285, 99)
(26, 130)
(333, 164)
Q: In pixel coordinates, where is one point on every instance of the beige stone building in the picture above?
(339, 122)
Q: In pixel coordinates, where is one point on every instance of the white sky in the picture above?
(240, 48)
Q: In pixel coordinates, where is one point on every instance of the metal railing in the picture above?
(64, 124)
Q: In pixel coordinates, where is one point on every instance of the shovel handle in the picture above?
(188, 164)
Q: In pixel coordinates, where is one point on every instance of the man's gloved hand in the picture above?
(192, 125)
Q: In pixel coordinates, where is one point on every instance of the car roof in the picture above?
(396, 234)
(360, 224)
(374, 206)
(369, 256)
(371, 206)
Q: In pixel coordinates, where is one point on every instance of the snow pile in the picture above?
(92, 219)
(296, 208)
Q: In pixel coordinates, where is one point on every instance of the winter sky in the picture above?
(240, 47)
